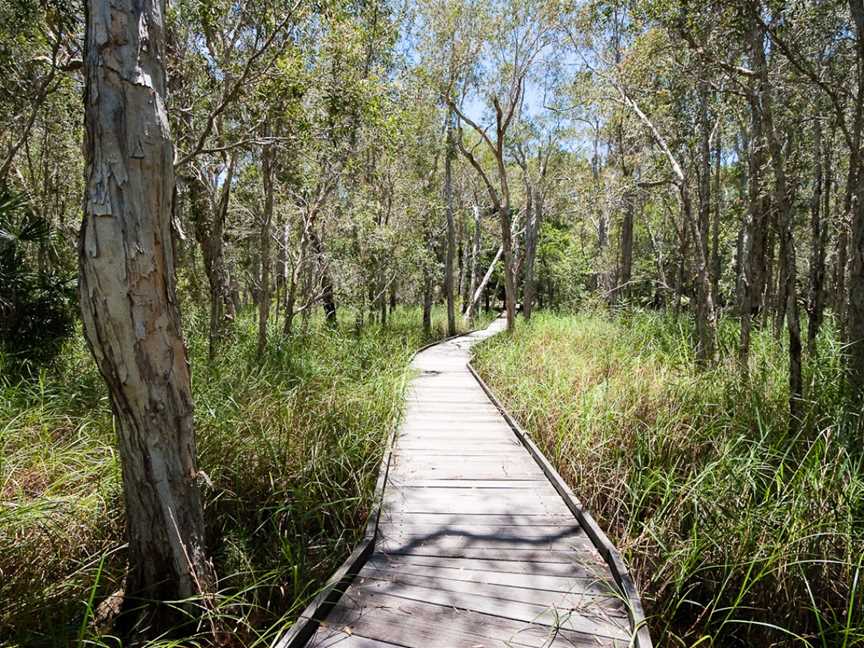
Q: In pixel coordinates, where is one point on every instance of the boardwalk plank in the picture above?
(474, 546)
(527, 582)
(596, 621)
(578, 595)
(428, 625)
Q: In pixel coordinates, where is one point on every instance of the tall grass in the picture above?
(739, 532)
(290, 444)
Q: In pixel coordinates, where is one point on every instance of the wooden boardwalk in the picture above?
(475, 547)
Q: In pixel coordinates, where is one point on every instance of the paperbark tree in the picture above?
(129, 306)
(715, 223)
(782, 202)
(500, 194)
(706, 322)
(819, 209)
(535, 179)
(848, 109)
(265, 236)
(752, 275)
(209, 227)
(855, 201)
(450, 255)
(475, 255)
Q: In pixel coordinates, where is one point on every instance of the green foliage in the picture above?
(565, 268)
(739, 532)
(36, 303)
(290, 445)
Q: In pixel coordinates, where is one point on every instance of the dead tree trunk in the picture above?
(472, 306)
(129, 305)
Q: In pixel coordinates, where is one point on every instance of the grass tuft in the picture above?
(291, 444)
(739, 533)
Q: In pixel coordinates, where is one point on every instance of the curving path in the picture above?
(475, 546)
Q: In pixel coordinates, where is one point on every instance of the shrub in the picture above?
(36, 303)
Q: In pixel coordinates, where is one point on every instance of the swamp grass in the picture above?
(739, 532)
(290, 444)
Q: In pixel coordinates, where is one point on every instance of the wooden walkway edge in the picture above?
(475, 540)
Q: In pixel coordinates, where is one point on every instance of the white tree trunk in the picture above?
(128, 302)
(472, 306)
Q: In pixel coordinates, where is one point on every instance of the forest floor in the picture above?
(739, 532)
(290, 444)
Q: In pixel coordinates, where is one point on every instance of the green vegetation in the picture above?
(289, 444)
(740, 533)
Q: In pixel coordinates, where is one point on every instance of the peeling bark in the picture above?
(129, 306)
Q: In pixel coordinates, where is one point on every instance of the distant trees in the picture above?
(738, 101)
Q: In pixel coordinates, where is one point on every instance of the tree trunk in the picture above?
(427, 303)
(818, 236)
(783, 204)
(532, 228)
(266, 235)
(328, 297)
(294, 280)
(129, 304)
(509, 279)
(704, 168)
(855, 200)
(464, 253)
(625, 270)
(469, 314)
(475, 256)
(752, 258)
(209, 220)
(706, 323)
(451, 230)
(382, 298)
(715, 225)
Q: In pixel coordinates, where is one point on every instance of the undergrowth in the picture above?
(290, 444)
(739, 532)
